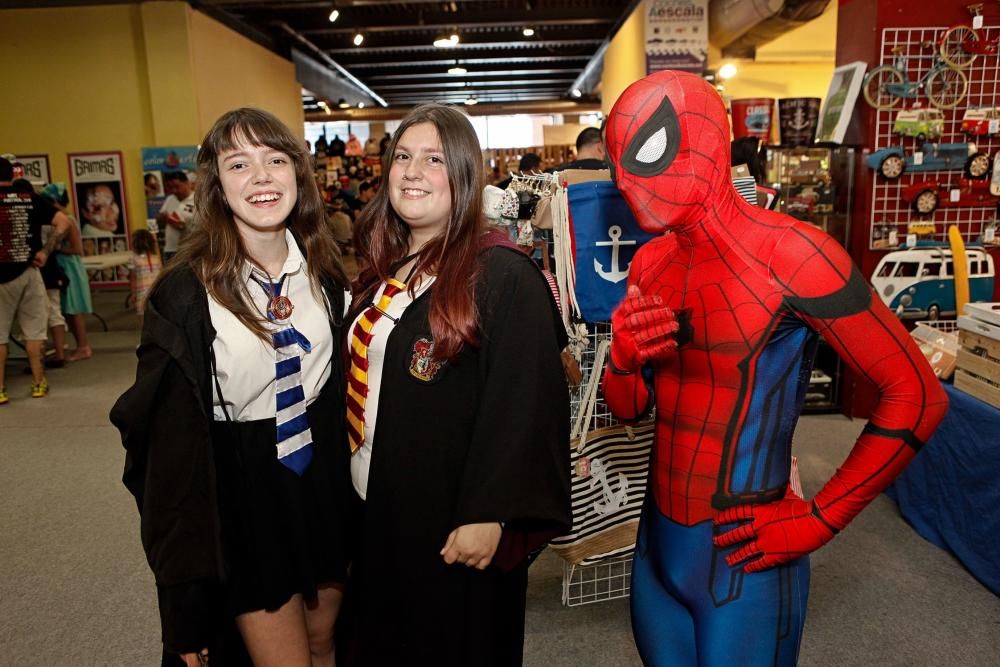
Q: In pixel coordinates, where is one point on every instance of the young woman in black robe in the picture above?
(234, 428)
(458, 411)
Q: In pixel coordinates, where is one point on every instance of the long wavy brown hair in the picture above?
(215, 251)
(381, 237)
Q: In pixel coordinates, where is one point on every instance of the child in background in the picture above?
(144, 266)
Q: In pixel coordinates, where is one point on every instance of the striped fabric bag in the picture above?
(609, 470)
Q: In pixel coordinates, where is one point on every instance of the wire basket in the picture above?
(610, 579)
(944, 326)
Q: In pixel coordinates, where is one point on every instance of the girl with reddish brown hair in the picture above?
(457, 411)
(234, 428)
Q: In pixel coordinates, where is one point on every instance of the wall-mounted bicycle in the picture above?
(962, 44)
(944, 85)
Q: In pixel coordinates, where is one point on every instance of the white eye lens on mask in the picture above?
(654, 147)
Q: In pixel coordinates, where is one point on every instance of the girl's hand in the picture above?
(195, 659)
(472, 544)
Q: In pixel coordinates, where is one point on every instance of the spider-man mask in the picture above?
(667, 140)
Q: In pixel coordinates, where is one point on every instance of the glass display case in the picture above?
(815, 185)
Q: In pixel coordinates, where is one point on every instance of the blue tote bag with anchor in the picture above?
(605, 239)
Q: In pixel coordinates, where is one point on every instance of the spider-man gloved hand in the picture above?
(773, 533)
(643, 329)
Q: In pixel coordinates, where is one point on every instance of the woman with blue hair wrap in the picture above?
(76, 296)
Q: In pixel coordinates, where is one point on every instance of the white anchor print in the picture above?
(616, 274)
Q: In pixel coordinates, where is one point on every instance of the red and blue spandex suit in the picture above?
(726, 310)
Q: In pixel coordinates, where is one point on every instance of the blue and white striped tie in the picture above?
(294, 435)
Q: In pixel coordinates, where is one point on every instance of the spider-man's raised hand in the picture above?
(774, 533)
(644, 329)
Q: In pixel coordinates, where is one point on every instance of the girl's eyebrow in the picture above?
(432, 149)
(230, 156)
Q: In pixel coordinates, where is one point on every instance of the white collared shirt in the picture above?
(245, 364)
(185, 211)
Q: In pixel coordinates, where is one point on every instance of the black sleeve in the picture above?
(518, 467)
(168, 469)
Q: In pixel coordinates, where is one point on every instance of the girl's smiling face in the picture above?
(418, 182)
(259, 185)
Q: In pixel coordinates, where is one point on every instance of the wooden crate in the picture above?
(978, 372)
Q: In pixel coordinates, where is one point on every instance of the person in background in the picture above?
(234, 433)
(530, 163)
(589, 152)
(22, 292)
(55, 281)
(144, 267)
(177, 211)
(453, 494)
(75, 298)
(366, 192)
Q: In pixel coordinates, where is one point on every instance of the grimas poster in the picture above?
(97, 184)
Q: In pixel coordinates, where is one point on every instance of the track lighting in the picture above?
(334, 14)
(358, 38)
(448, 42)
(528, 32)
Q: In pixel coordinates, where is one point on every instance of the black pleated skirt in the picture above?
(282, 533)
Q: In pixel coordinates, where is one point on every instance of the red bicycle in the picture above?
(962, 44)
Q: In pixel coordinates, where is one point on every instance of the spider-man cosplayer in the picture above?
(726, 310)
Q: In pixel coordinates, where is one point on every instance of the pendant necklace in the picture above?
(279, 307)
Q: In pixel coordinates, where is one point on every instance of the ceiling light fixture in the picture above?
(449, 42)
(358, 38)
(576, 92)
(361, 105)
(470, 101)
(334, 14)
(457, 69)
(528, 32)
(727, 71)
(343, 104)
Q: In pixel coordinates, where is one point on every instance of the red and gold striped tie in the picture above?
(357, 381)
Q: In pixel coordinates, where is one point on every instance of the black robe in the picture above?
(483, 439)
(165, 420)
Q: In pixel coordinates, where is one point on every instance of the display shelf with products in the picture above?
(938, 157)
(815, 185)
(503, 162)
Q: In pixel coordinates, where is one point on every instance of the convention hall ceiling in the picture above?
(507, 51)
(382, 53)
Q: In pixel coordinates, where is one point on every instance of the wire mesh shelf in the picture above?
(944, 326)
(892, 218)
(610, 579)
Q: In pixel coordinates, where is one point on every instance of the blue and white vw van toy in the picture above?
(920, 282)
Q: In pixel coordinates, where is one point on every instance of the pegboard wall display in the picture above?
(937, 135)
